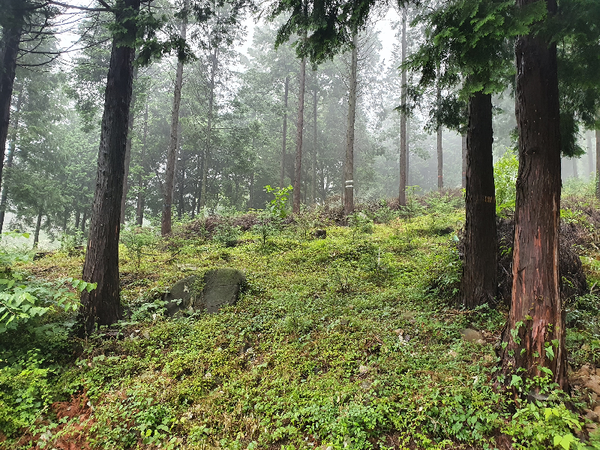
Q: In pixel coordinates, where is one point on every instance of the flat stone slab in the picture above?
(218, 288)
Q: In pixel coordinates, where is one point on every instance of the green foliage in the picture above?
(360, 223)
(537, 426)
(227, 235)
(505, 177)
(26, 389)
(138, 240)
(278, 207)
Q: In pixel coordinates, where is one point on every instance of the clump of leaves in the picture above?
(505, 178)
(138, 240)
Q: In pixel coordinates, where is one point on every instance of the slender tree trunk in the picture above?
(284, 140)
(128, 152)
(535, 335)
(77, 218)
(102, 306)
(165, 224)
(10, 158)
(464, 161)
(479, 282)
(598, 164)
(141, 199)
(299, 133)
(440, 150)
(575, 172)
(403, 135)
(211, 102)
(83, 222)
(349, 166)
(590, 155)
(314, 160)
(9, 50)
(38, 227)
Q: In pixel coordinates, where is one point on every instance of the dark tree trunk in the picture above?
(141, 199)
(102, 306)
(9, 50)
(479, 282)
(349, 166)
(535, 335)
(165, 224)
(284, 140)
(299, 132)
(313, 188)
(38, 227)
(83, 222)
(9, 159)
(464, 161)
(128, 154)
(598, 164)
(403, 136)
(209, 125)
(440, 150)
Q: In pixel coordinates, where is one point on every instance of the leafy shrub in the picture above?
(137, 240)
(227, 235)
(278, 206)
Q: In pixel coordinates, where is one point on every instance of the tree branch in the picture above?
(106, 8)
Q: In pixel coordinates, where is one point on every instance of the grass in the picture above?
(349, 342)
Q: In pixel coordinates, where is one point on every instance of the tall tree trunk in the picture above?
(598, 164)
(349, 166)
(9, 50)
(102, 306)
(284, 140)
(590, 154)
(211, 102)
(141, 199)
(165, 224)
(299, 133)
(313, 188)
(535, 335)
(128, 152)
(575, 172)
(440, 150)
(464, 161)
(83, 222)
(38, 227)
(403, 136)
(10, 158)
(479, 282)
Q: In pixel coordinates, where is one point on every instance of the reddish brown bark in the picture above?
(102, 306)
(479, 282)
(535, 334)
(349, 163)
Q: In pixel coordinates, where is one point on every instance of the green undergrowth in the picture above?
(348, 342)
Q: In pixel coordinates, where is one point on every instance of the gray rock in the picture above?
(183, 295)
(222, 287)
(474, 336)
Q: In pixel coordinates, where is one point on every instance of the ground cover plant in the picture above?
(352, 341)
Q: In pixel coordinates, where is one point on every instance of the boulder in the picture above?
(473, 336)
(218, 288)
(222, 287)
(183, 295)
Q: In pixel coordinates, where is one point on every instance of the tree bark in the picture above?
(535, 334)
(10, 158)
(313, 183)
(479, 282)
(102, 305)
(284, 140)
(128, 153)
(349, 166)
(38, 227)
(166, 222)
(403, 136)
(464, 161)
(9, 50)
(299, 133)
(598, 164)
(440, 150)
(211, 101)
(141, 199)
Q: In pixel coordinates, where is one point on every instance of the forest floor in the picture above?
(354, 341)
